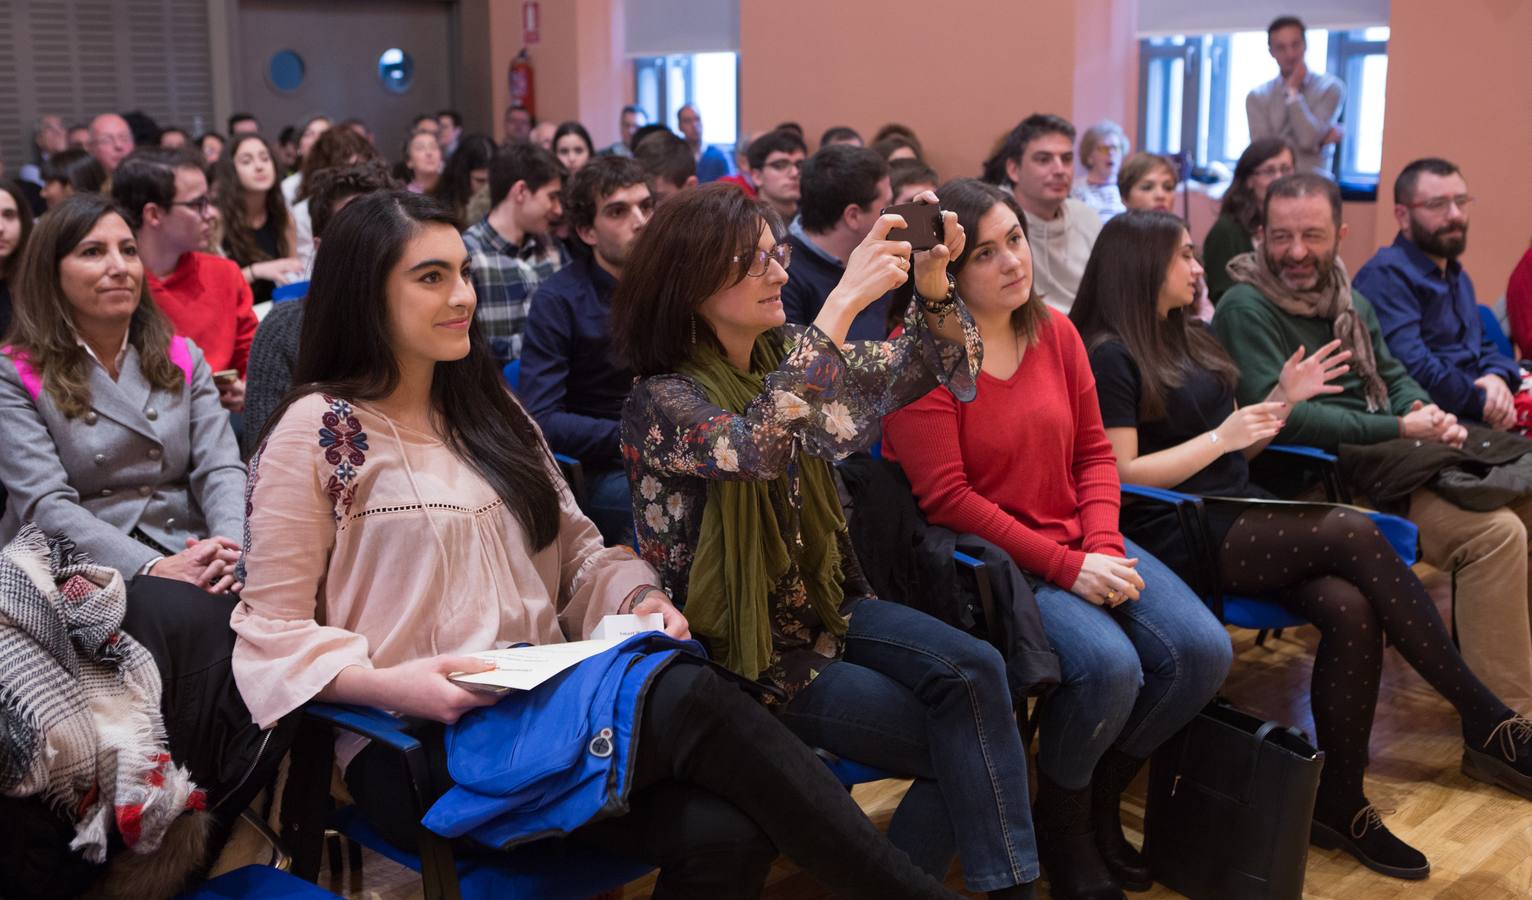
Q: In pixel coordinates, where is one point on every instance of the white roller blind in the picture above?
(1169, 17)
(662, 27)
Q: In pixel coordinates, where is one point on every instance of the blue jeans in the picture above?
(1132, 676)
(609, 504)
(923, 700)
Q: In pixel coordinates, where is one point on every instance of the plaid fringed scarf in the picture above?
(80, 701)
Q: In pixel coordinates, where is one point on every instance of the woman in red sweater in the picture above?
(1027, 466)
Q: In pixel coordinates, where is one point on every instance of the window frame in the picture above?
(662, 111)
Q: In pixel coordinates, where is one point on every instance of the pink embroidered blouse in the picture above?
(368, 543)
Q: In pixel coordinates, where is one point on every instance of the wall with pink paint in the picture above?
(1460, 87)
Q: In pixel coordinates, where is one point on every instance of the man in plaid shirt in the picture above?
(511, 251)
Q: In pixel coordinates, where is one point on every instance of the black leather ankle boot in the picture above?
(1114, 773)
(1066, 845)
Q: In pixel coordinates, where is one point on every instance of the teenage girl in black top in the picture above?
(1167, 400)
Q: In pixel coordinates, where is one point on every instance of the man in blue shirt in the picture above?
(712, 163)
(844, 190)
(1425, 301)
(568, 380)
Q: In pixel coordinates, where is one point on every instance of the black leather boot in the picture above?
(1066, 845)
(1114, 773)
(726, 742)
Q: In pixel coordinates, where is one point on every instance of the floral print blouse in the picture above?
(825, 401)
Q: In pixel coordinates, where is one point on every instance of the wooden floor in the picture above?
(1478, 838)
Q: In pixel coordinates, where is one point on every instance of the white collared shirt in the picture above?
(122, 352)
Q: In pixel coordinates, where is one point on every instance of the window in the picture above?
(1192, 94)
(710, 81)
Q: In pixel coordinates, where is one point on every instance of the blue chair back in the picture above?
(285, 292)
(1491, 323)
(512, 374)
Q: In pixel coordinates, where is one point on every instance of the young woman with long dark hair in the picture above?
(467, 174)
(405, 512)
(1239, 216)
(727, 437)
(1027, 466)
(1167, 398)
(15, 228)
(572, 145)
(258, 232)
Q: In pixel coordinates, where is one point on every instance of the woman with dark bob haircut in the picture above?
(727, 439)
(1027, 467)
(1167, 398)
(1239, 216)
(405, 512)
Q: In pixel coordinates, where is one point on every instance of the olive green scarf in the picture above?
(741, 553)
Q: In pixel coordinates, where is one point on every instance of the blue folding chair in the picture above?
(257, 883)
(544, 870)
(1494, 331)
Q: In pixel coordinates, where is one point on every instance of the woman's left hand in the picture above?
(931, 265)
(1304, 378)
(657, 602)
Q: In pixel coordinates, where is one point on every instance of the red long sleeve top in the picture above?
(1518, 304)
(207, 300)
(1026, 465)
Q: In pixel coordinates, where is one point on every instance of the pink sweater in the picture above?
(372, 544)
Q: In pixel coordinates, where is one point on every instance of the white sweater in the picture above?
(1060, 248)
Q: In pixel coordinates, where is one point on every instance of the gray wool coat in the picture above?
(162, 462)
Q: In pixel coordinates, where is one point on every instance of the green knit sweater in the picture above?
(1224, 241)
(1261, 337)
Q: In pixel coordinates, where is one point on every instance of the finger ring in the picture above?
(1110, 596)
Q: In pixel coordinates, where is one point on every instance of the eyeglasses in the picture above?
(761, 259)
(785, 165)
(1441, 204)
(199, 206)
(1274, 171)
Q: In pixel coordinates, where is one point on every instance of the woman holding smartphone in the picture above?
(405, 512)
(727, 437)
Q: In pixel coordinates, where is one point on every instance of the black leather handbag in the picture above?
(1230, 803)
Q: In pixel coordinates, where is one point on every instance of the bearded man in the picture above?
(1425, 301)
(1292, 291)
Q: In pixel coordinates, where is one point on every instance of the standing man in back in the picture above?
(712, 163)
(1298, 106)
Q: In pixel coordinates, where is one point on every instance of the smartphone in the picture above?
(225, 376)
(924, 221)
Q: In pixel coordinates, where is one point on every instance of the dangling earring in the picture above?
(694, 329)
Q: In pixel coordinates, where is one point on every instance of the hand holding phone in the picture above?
(923, 223)
(225, 376)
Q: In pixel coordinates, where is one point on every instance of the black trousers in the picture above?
(186, 631)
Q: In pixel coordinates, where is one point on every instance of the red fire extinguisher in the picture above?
(520, 77)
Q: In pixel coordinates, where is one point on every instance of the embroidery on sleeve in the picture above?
(345, 446)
